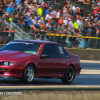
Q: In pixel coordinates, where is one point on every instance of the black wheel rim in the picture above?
(70, 74)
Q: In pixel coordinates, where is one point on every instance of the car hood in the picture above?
(9, 55)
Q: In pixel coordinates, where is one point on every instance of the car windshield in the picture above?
(26, 47)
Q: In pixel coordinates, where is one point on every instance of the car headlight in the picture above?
(11, 63)
(8, 63)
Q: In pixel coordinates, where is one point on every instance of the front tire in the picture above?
(69, 75)
(29, 74)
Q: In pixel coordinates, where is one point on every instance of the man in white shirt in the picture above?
(53, 13)
(58, 14)
(79, 21)
(98, 3)
(48, 16)
(65, 12)
(33, 21)
(74, 9)
(71, 24)
(34, 25)
(65, 21)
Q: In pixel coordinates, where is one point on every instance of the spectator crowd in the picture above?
(40, 15)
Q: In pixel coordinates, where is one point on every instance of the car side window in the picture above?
(51, 50)
(62, 52)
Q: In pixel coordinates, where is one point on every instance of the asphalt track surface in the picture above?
(90, 76)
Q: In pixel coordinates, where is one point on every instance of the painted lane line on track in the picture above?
(90, 61)
(85, 71)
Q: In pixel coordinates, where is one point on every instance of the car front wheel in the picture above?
(69, 75)
(29, 74)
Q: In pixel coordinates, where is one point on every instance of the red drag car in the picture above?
(29, 59)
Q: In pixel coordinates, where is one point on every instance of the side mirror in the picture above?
(44, 56)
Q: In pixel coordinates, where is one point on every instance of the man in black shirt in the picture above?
(98, 28)
(64, 38)
(6, 34)
(71, 39)
(1, 35)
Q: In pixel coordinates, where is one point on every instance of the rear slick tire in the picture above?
(69, 75)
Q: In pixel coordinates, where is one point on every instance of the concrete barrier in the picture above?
(84, 54)
(1, 45)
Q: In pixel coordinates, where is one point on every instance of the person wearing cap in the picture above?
(70, 24)
(8, 10)
(86, 26)
(58, 14)
(98, 18)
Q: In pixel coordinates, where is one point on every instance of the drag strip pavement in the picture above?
(90, 74)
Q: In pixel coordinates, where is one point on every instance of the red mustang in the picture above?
(29, 59)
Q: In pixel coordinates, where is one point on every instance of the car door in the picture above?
(47, 67)
(63, 57)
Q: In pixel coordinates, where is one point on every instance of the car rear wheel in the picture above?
(29, 74)
(69, 75)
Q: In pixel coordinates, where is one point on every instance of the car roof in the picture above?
(37, 41)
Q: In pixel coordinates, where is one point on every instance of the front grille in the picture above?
(1, 72)
(3, 69)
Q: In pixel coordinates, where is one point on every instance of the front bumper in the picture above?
(11, 71)
(11, 74)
